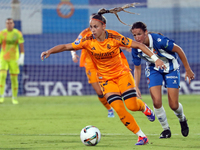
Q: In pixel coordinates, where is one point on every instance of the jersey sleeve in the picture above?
(166, 43)
(21, 39)
(78, 43)
(126, 42)
(136, 59)
(123, 41)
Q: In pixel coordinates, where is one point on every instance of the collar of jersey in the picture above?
(106, 35)
(150, 41)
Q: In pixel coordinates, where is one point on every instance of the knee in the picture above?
(133, 106)
(157, 103)
(130, 100)
(173, 106)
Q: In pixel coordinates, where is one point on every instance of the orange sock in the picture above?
(135, 104)
(126, 118)
(104, 102)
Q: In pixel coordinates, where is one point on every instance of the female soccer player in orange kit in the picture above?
(91, 72)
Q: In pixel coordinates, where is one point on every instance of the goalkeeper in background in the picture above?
(11, 40)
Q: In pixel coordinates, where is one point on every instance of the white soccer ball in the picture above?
(90, 135)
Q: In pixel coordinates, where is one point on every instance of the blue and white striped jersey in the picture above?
(162, 47)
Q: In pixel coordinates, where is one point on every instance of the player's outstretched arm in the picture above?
(56, 49)
(158, 63)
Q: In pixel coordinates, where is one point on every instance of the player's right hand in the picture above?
(160, 64)
(189, 75)
(45, 54)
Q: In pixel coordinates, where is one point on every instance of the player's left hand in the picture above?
(189, 75)
(20, 61)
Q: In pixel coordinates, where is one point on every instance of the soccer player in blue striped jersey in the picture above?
(166, 50)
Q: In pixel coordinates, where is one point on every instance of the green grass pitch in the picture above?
(54, 123)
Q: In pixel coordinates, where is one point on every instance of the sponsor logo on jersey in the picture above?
(11, 42)
(167, 44)
(103, 55)
(172, 77)
(174, 82)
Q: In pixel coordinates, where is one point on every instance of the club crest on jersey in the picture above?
(154, 51)
(125, 41)
(93, 48)
(15, 37)
(108, 46)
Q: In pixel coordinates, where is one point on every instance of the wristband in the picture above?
(73, 53)
(22, 55)
(154, 57)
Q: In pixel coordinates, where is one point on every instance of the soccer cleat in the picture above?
(15, 102)
(142, 140)
(184, 127)
(165, 134)
(111, 113)
(1, 100)
(149, 113)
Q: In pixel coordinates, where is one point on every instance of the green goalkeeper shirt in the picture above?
(10, 41)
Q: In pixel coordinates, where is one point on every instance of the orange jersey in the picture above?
(105, 55)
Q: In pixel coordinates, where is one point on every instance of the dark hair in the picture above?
(115, 11)
(100, 18)
(139, 25)
(93, 14)
(9, 19)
